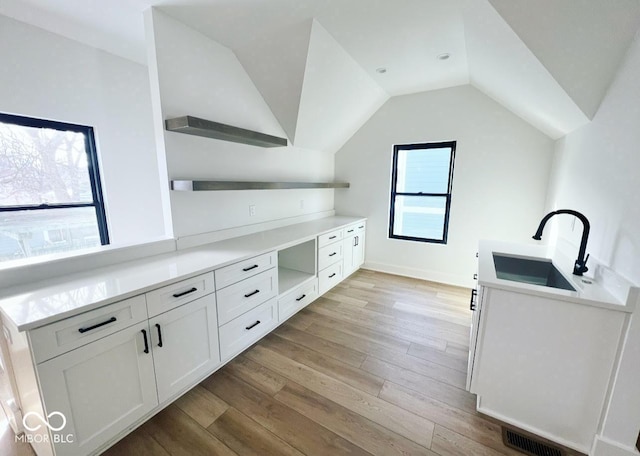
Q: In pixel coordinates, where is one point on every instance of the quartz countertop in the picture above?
(588, 291)
(34, 305)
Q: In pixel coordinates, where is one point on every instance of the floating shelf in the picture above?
(204, 186)
(209, 129)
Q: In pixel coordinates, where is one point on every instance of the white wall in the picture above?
(199, 77)
(47, 76)
(597, 171)
(499, 184)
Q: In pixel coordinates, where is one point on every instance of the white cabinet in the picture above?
(241, 332)
(100, 388)
(185, 345)
(542, 364)
(296, 299)
(353, 248)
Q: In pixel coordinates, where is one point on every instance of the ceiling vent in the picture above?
(528, 445)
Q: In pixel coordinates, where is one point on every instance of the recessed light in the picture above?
(381, 70)
(445, 56)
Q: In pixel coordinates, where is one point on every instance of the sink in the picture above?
(536, 271)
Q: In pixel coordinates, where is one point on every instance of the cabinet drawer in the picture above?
(60, 337)
(297, 299)
(329, 238)
(329, 254)
(329, 277)
(174, 295)
(356, 228)
(243, 296)
(241, 332)
(244, 269)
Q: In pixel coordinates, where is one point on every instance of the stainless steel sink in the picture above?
(536, 271)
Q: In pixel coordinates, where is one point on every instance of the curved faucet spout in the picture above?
(580, 266)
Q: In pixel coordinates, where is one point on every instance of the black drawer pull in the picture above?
(475, 276)
(333, 237)
(332, 275)
(146, 342)
(89, 328)
(360, 227)
(472, 304)
(334, 253)
(350, 231)
(179, 295)
(301, 297)
(159, 335)
(250, 268)
(253, 325)
(252, 293)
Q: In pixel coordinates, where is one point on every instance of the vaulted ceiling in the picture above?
(549, 61)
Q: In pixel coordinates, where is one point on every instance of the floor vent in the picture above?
(527, 445)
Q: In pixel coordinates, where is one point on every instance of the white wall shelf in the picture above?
(204, 186)
(209, 129)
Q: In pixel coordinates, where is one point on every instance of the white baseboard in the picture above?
(605, 447)
(215, 236)
(433, 276)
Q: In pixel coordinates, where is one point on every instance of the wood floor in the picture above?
(376, 366)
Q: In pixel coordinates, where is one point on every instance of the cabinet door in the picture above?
(185, 345)
(349, 250)
(101, 388)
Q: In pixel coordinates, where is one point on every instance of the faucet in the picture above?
(580, 266)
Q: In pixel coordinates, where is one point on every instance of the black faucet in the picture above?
(580, 266)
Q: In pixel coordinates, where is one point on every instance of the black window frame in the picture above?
(394, 184)
(92, 167)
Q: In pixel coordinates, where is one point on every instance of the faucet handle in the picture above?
(585, 261)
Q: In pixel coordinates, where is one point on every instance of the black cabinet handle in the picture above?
(332, 275)
(360, 227)
(332, 254)
(89, 328)
(357, 240)
(301, 297)
(252, 293)
(477, 254)
(475, 276)
(253, 325)
(146, 342)
(159, 335)
(250, 268)
(472, 304)
(350, 231)
(333, 237)
(179, 295)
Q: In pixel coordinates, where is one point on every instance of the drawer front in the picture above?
(239, 271)
(60, 337)
(329, 277)
(361, 227)
(351, 230)
(297, 299)
(238, 298)
(241, 332)
(330, 238)
(174, 295)
(329, 255)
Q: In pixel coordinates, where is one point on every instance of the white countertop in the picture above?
(38, 304)
(593, 294)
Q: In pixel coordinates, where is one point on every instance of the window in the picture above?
(50, 194)
(421, 182)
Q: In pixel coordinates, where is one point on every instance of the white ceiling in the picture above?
(572, 47)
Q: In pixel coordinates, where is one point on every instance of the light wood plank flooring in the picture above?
(375, 367)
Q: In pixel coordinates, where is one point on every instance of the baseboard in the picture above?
(605, 447)
(215, 236)
(433, 276)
